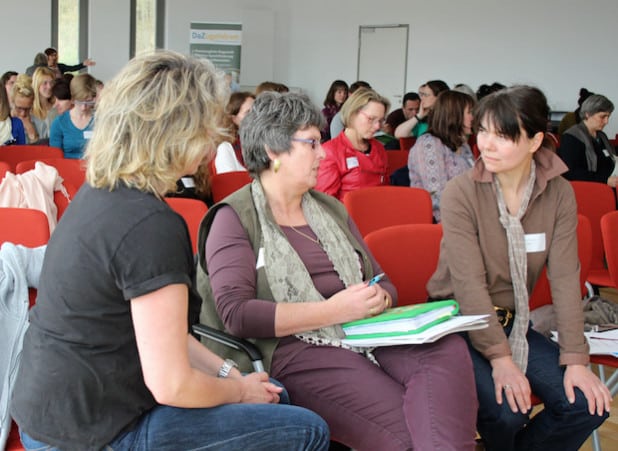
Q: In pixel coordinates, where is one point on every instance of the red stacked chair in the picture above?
(377, 207)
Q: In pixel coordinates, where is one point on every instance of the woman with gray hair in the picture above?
(108, 361)
(284, 265)
(584, 147)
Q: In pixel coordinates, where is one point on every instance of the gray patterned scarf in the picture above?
(518, 264)
(287, 275)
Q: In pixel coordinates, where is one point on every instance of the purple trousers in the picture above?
(421, 397)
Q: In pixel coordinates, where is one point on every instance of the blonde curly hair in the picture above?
(156, 121)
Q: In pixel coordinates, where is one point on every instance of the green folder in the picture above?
(406, 320)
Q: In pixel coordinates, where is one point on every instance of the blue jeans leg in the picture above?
(496, 424)
(231, 427)
(560, 426)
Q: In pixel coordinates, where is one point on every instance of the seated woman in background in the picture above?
(335, 97)
(504, 221)
(8, 80)
(417, 125)
(229, 156)
(585, 149)
(311, 264)
(22, 99)
(355, 159)
(108, 361)
(11, 128)
(72, 130)
(573, 117)
(443, 152)
(43, 111)
(62, 93)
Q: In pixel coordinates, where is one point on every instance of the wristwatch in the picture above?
(227, 366)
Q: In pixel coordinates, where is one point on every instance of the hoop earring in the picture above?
(276, 165)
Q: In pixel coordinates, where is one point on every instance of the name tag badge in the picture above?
(606, 152)
(535, 242)
(188, 182)
(260, 259)
(88, 134)
(351, 162)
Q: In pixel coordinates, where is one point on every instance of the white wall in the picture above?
(25, 31)
(558, 45)
(109, 25)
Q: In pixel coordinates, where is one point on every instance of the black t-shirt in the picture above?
(80, 382)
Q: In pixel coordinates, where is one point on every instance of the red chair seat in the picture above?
(13, 442)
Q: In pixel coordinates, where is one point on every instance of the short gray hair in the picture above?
(594, 104)
(271, 122)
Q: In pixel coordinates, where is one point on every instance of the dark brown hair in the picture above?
(233, 107)
(446, 119)
(334, 87)
(512, 109)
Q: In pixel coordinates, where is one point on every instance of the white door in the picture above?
(383, 60)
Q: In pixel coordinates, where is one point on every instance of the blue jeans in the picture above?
(239, 427)
(560, 426)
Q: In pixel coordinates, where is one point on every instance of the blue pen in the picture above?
(375, 279)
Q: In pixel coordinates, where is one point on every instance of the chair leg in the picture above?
(596, 441)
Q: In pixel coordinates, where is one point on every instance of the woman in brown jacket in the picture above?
(504, 220)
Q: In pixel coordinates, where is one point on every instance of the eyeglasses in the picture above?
(314, 142)
(84, 102)
(425, 94)
(373, 120)
(23, 109)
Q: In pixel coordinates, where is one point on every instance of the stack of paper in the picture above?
(419, 323)
(601, 343)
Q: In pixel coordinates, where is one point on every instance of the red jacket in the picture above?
(345, 169)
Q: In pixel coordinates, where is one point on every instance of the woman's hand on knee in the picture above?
(511, 383)
(596, 393)
(257, 389)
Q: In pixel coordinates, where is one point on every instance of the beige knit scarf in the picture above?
(286, 273)
(518, 264)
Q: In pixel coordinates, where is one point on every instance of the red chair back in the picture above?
(609, 224)
(14, 154)
(407, 143)
(222, 185)
(396, 159)
(192, 211)
(23, 226)
(593, 201)
(541, 294)
(392, 248)
(4, 168)
(376, 207)
(71, 170)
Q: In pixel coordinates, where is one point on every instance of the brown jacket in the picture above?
(474, 264)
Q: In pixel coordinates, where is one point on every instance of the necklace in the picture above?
(316, 241)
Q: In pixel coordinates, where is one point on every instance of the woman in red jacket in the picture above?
(354, 159)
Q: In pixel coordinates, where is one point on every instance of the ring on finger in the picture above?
(507, 387)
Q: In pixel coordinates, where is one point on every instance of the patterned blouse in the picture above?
(432, 164)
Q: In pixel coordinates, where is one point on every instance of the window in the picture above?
(146, 25)
(70, 30)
